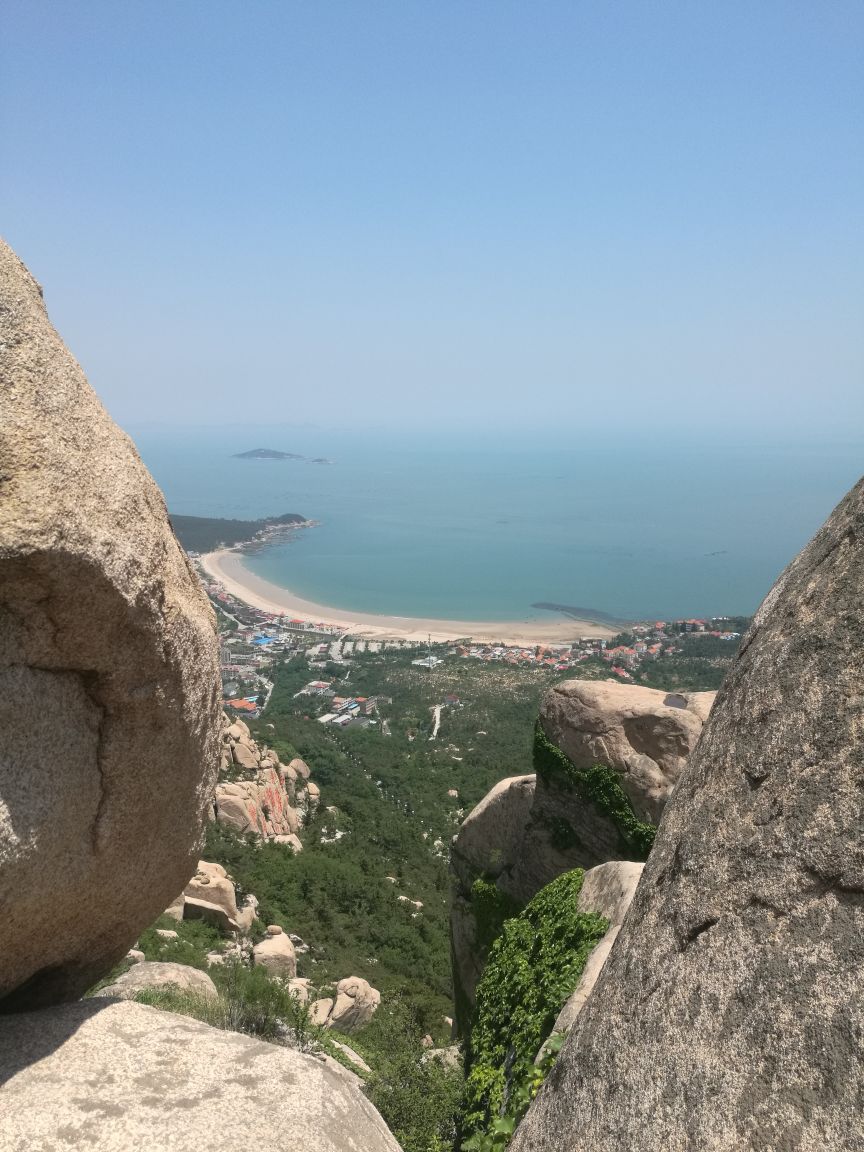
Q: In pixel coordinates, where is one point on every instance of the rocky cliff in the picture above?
(256, 793)
(729, 1013)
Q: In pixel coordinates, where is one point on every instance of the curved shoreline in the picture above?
(226, 567)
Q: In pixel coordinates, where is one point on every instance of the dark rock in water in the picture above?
(730, 1014)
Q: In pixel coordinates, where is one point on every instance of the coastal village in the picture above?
(251, 640)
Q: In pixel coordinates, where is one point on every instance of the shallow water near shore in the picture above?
(484, 531)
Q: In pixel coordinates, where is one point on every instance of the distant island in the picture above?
(206, 534)
(274, 454)
(267, 454)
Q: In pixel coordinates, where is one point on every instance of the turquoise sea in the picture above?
(468, 530)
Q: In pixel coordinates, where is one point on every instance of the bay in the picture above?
(469, 530)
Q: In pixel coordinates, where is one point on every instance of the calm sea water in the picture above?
(484, 531)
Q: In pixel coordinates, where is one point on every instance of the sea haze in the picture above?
(484, 531)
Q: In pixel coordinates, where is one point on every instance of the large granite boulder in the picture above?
(109, 684)
(644, 735)
(259, 794)
(531, 829)
(106, 1076)
(149, 974)
(730, 1013)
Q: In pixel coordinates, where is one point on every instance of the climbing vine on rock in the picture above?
(533, 967)
(598, 785)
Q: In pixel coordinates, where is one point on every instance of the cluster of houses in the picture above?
(342, 711)
(649, 641)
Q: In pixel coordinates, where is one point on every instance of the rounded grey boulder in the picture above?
(730, 1013)
(109, 687)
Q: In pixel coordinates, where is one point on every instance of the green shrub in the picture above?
(533, 967)
(599, 786)
(249, 1002)
(417, 1094)
(491, 907)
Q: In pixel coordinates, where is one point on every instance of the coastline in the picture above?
(226, 567)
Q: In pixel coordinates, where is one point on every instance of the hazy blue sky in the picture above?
(514, 215)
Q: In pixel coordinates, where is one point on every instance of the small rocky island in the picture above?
(267, 454)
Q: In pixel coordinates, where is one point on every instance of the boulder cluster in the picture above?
(258, 794)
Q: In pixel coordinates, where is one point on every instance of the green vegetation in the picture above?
(524, 1084)
(249, 1001)
(600, 786)
(533, 967)
(416, 1091)
(491, 908)
(205, 533)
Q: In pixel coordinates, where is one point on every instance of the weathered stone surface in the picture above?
(643, 734)
(110, 1077)
(276, 954)
(300, 767)
(154, 974)
(490, 837)
(355, 1057)
(210, 895)
(109, 686)
(319, 1013)
(354, 1005)
(273, 798)
(730, 1013)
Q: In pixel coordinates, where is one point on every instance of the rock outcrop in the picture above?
(104, 1076)
(354, 1005)
(262, 796)
(645, 736)
(109, 685)
(730, 1013)
(210, 895)
(156, 974)
(530, 829)
(276, 954)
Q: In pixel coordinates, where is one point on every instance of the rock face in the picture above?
(531, 829)
(154, 974)
(730, 1013)
(268, 798)
(354, 1005)
(109, 684)
(643, 735)
(109, 1076)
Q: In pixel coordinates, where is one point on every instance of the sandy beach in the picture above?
(226, 566)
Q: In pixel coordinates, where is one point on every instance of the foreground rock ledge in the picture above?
(730, 1013)
(109, 683)
(115, 1076)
